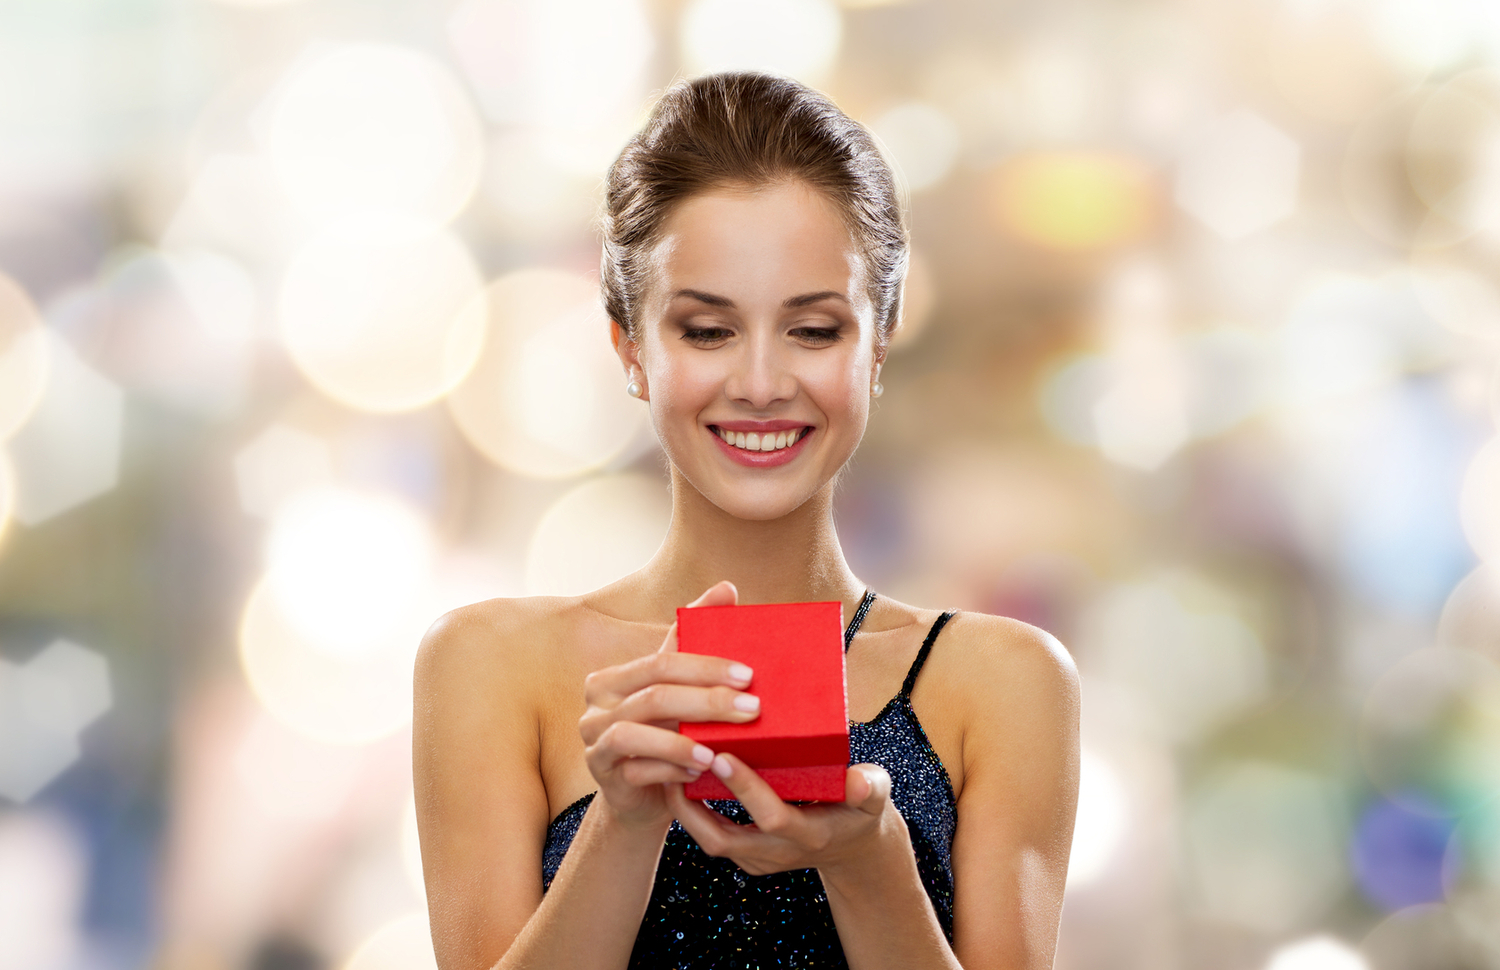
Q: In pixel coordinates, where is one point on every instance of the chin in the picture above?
(766, 503)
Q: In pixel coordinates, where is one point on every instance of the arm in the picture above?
(1015, 814)
(1017, 697)
(482, 805)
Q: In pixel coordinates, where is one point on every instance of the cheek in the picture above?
(679, 388)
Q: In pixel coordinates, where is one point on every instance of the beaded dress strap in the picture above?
(859, 617)
(916, 665)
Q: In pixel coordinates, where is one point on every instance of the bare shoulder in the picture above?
(1003, 656)
(496, 648)
(995, 656)
(498, 636)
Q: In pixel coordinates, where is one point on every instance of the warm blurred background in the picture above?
(299, 346)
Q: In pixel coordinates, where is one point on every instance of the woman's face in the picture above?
(757, 346)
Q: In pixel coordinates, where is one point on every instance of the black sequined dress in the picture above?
(709, 913)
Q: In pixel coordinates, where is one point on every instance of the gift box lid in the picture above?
(797, 653)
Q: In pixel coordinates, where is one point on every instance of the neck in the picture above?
(796, 558)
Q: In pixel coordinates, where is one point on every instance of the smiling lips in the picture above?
(765, 448)
(769, 441)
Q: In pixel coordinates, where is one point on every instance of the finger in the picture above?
(641, 772)
(867, 788)
(607, 687)
(715, 834)
(680, 702)
(770, 813)
(721, 593)
(631, 739)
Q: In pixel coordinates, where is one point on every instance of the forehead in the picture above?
(774, 241)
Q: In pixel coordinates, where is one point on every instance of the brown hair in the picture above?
(747, 128)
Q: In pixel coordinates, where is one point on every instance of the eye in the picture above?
(705, 335)
(817, 335)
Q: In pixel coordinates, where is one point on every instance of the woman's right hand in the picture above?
(630, 728)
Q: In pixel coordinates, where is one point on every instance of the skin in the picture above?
(523, 706)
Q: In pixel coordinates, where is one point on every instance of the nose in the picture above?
(761, 376)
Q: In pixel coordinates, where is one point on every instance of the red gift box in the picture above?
(800, 742)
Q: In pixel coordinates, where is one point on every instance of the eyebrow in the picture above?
(790, 303)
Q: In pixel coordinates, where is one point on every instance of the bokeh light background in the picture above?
(300, 346)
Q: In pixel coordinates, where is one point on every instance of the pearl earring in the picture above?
(634, 389)
(877, 389)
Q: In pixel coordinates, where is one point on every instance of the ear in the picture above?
(629, 353)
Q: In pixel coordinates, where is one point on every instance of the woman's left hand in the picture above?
(784, 836)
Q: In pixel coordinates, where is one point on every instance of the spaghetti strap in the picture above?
(916, 665)
(859, 618)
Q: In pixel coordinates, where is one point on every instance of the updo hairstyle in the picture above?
(748, 129)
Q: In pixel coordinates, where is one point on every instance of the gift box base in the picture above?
(811, 783)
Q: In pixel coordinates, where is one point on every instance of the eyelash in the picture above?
(706, 335)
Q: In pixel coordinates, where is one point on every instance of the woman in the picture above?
(753, 260)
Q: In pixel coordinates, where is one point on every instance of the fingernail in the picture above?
(702, 755)
(740, 674)
(721, 767)
(693, 773)
(748, 703)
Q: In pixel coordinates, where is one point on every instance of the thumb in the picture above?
(721, 593)
(867, 788)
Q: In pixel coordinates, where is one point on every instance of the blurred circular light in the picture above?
(178, 328)
(597, 533)
(292, 776)
(1400, 856)
(1463, 301)
(1471, 617)
(1074, 201)
(924, 141)
(798, 38)
(1266, 846)
(533, 188)
(374, 134)
(1453, 152)
(280, 463)
(1424, 36)
(1103, 812)
(546, 397)
(560, 65)
(1430, 936)
(1479, 504)
(1317, 953)
(236, 204)
(1238, 174)
(1377, 186)
(383, 325)
(1178, 644)
(1341, 337)
(402, 944)
(1432, 724)
(1325, 60)
(337, 699)
(23, 357)
(345, 567)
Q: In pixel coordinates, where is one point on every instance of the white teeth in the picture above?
(754, 441)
